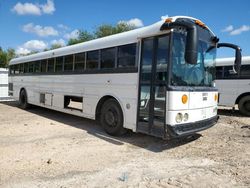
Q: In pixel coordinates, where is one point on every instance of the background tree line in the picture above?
(83, 36)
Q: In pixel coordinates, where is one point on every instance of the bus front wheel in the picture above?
(244, 105)
(23, 100)
(111, 118)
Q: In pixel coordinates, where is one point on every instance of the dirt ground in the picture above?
(44, 148)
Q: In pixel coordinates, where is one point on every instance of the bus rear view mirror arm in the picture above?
(237, 61)
(191, 50)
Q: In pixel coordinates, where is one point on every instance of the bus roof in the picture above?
(105, 42)
(230, 61)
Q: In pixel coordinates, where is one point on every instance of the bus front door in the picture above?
(152, 85)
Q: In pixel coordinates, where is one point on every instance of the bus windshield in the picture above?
(200, 74)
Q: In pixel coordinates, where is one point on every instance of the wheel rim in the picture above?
(111, 117)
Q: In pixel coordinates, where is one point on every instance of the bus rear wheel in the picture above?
(23, 100)
(244, 105)
(111, 118)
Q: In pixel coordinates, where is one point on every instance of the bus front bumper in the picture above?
(186, 129)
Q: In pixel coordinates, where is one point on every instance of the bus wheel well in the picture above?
(242, 95)
(100, 104)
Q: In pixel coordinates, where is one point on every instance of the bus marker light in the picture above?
(184, 99)
(216, 97)
(200, 23)
(168, 20)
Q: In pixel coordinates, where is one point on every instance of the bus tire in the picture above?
(23, 100)
(244, 105)
(111, 118)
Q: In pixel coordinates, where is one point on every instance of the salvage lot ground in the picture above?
(44, 148)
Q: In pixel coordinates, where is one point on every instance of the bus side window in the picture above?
(21, 68)
(37, 66)
(31, 67)
(219, 72)
(26, 66)
(11, 70)
(245, 71)
(43, 65)
(51, 65)
(68, 63)
(79, 61)
(59, 64)
(92, 60)
(228, 72)
(126, 56)
(16, 69)
(108, 58)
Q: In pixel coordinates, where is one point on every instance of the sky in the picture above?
(28, 25)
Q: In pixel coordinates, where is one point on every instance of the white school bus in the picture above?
(234, 87)
(157, 80)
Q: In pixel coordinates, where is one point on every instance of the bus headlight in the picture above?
(179, 118)
(185, 117)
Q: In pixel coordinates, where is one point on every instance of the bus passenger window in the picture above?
(245, 71)
(21, 68)
(37, 66)
(68, 63)
(59, 64)
(228, 72)
(11, 69)
(126, 55)
(92, 60)
(108, 58)
(79, 61)
(31, 67)
(43, 65)
(16, 69)
(51, 64)
(26, 66)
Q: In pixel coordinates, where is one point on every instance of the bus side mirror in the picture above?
(191, 50)
(237, 61)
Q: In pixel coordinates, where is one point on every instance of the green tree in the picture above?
(83, 36)
(6, 56)
(55, 46)
(101, 31)
(10, 54)
(106, 29)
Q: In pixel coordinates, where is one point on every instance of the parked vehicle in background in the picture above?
(3, 84)
(234, 87)
(158, 80)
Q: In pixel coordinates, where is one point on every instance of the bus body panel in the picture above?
(200, 106)
(89, 86)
